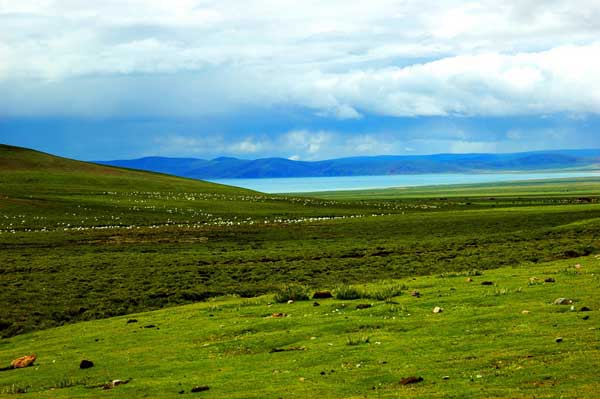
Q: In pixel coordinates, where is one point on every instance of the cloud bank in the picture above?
(338, 59)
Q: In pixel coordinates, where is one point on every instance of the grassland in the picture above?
(87, 247)
(81, 241)
(496, 341)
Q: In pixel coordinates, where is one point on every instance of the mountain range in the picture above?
(227, 167)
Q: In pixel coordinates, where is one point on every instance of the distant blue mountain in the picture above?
(226, 167)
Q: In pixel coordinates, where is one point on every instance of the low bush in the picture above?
(347, 292)
(292, 292)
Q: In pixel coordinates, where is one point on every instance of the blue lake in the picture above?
(306, 184)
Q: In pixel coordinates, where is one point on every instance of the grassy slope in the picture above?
(574, 187)
(81, 241)
(482, 341)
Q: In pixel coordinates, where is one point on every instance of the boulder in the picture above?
(410, 380)
(23, 362)
(86, 364)
(563, 301)
(322, 295)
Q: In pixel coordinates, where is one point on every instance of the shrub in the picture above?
(347, 292)
(292, 292)
(352, 341)
(385, 292)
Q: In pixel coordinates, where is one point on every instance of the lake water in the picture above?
(307, 184)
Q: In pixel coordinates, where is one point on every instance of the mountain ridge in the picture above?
(230, 167)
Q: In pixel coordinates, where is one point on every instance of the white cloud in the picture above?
(340, 58)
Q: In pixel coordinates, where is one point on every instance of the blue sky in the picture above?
(302, 80)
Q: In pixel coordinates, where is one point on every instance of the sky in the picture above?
(302, 80)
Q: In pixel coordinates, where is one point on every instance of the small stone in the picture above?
(446, 377)
(550, 280)
(363, 306)
(200, 388)
(278, 315)
(558, 340)
(290, 301)
(487, 283)
(585, 309)
(86, 364)
(563, 301)
(469, 280)
(578, 266)
(525, 312)
(301, 379)
(410, 380)
(437, 309)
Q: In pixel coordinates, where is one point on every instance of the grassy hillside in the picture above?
(549, 190)
(505, 340)
(81, 241)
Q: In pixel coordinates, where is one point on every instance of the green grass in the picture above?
(88, 247)
(482, 342)
(81, 241)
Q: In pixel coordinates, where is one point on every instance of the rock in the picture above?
(290, 301)
(131, 321)
(415, 293)
(200, 388)
(487, 283)
(410, 380)
(322, 295)
(86, 364)
(446, 377)
(278, 315)
(114, 383)
(585, 309)
(563, 301)
(549, 280)
(469, 280)
(316, 304)
(558, 340)
(578, 266)
(437, 309)
(23, 362)
(363, 306)
(525, 312)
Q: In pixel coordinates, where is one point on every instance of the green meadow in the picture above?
(203, 268)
